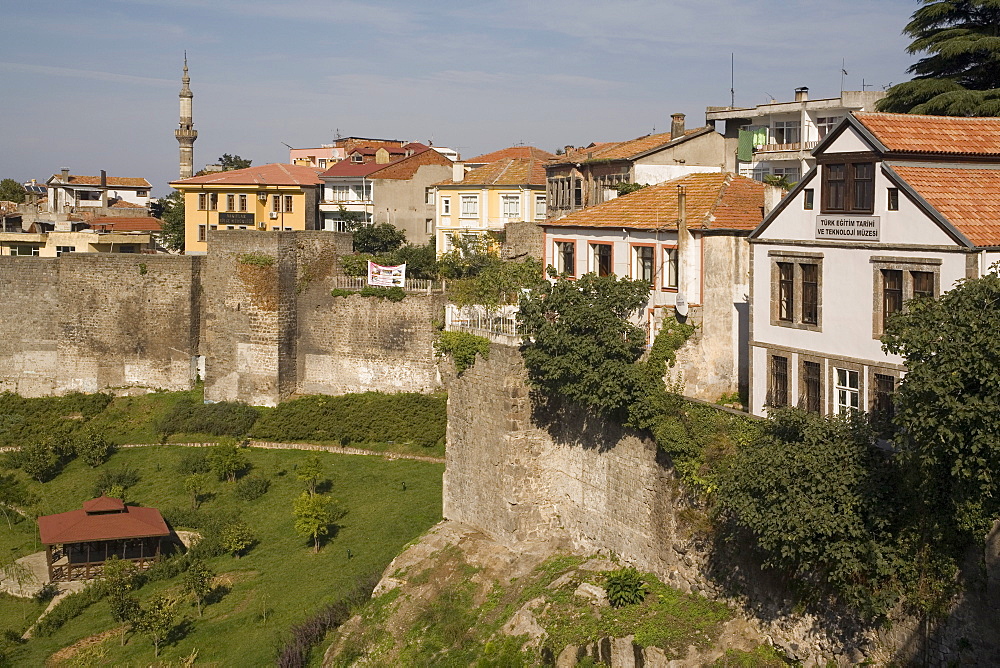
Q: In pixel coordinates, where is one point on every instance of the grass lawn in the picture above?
(280, 582)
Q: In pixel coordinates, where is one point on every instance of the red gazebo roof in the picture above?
(103, 518)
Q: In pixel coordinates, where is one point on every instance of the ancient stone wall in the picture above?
(92, 322)
(520, 471)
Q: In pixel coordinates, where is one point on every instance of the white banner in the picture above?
(386, 276)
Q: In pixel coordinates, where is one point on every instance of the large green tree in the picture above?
(377, 239)
(946, 415)
(579, 342)
(11, 191)
(170, 211)
(231, 162)
(959, 74)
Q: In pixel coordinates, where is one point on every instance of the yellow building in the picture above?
(272, 197)
(487, 198)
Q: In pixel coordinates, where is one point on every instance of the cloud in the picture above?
(117, 77)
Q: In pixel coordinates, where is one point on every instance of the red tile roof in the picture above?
(112, 181)
(934, 134)
(506, 172)
(404, 168)
(623, 150)
(512, 152)
(969, 199)
(102, 518)
(135, 224)
(274, 174)
(715, 201)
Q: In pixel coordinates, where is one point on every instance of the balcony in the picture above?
(794, 146)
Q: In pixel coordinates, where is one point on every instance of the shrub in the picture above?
(228, 462)
(251, 487)
(341, 292)
(121, 478)
(219, 419)
(93, 448)
(236, 538)
(194, 461)
(625, 586)
(256, 259)
(357, 418)
(68, 608)
(393, 294)
(39, 460)
(23, 420)
(463, 348)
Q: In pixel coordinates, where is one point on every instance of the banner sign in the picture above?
(848, 228)
(228, 218)
(386, 276)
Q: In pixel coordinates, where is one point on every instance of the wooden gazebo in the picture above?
(78, 543)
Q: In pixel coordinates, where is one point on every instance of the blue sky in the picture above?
(94, 85)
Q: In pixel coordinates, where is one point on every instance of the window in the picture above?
(201, 233)
(275, 203)
(142, 193)
(849, 187)
(791, 174)
(230, 202)
(847, 390)
(126, 249)
(826, 124)
(566, 257)
(807, 199)
(470, 206)
(811, 387)
(786, 132)
(670, 268)
(64, 249)
(511, 205)
(288, 203)
(540, 206)
(600, 259)
(892, 199)
(898, 280)
(449, 241)
(428, 225)
(243, 202)
(357, 157)
(322, 163)
(445, 206)
(642, 263)
(796, 289)
(428, 195)
(213, 227)
(779, 381)
(202, 201)
(883, 387)
(23, 249)
(577, 192)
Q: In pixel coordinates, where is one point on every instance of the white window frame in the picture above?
(510, 206)
(636, 266)
(445, 206)
(786, 127)
(541, 202)
(559, 259)
(671, 267)
(470, 206)
(846, 397)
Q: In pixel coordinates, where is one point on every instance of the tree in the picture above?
(946, 417)
(314, 513)
(497, 283)
(157, 621)
(11, 191)
(195, 485)
(170, 210)
(579, 342)
(13, 495)
(310, 472)
(119, 582)
(39, 460)
(377, 239)
(228, 462)
(960, 75)
(92, 447)
(236, 538)
(198, 581)
(231, 162)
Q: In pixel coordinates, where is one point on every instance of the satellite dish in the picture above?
(681, 304)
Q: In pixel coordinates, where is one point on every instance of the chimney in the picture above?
(104, 189)
(457, 171)
(801, 94)
(676, 125)
(567, 148)
(65, 174)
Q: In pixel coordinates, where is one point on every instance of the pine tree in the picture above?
(960, 73)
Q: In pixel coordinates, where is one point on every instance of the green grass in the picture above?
(280, 575)
(17, 614)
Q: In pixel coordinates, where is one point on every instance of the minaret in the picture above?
(186, 134)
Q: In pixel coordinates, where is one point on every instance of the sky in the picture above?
(93, 85)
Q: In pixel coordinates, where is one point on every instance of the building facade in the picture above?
(777, 139)
(687, 239)
(71, 193)
(589, 175)
(898, 207)
(275, 197)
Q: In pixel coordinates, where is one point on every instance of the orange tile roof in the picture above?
(124, 224)
(715, 201)
(934, 134)
(274, 174)
(969, 199)
(112, 181)
(405, 168)
(122, 204)
(513, 152)
(506, 172)
(622, 150)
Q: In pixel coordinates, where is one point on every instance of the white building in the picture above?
(687, 238)
(70, 192)
(777, 138)
(898, 206)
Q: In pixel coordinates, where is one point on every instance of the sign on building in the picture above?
(848, 228)
(386, 276)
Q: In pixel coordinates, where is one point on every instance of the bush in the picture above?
(341, 292)
(93, 448)
(194, 461)
(219, 419)
(122, 478)
(39, 460)
(625, 586)
(181, 517)
(68, 608)
(393, 294)
(463, 348)
(23, 420)
(228, 462)
(369, 417)
(251, 487)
